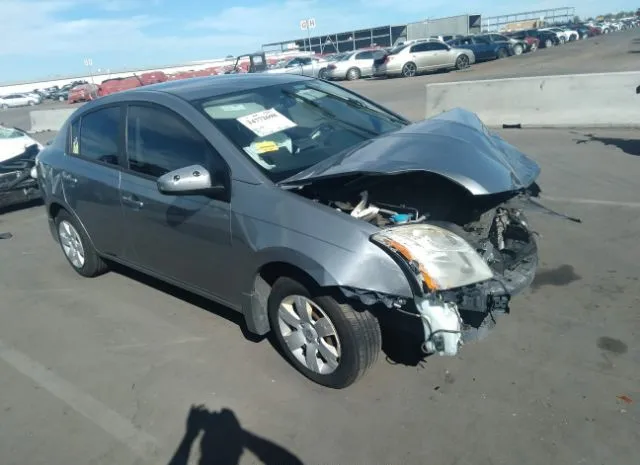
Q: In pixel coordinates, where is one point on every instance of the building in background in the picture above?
(380, 36)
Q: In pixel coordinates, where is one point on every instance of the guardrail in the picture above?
(49, 120)
(565, 101)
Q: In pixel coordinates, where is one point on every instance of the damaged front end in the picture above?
(18, 181)
(465, 275)
(449, 197)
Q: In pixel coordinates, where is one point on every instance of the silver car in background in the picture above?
(354, 65)
(409, 60)
(303, 66)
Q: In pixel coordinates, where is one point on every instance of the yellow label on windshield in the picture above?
(266, 146)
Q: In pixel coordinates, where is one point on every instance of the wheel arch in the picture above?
(303, 269)
(54, 209)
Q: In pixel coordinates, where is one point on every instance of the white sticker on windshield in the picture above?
(267, 122)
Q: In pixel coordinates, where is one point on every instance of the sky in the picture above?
(45, 38)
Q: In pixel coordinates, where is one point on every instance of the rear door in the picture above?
(364, 61)
(184, 238)
(483, 48)
(91, 177)
(442, 57)
(421, 56)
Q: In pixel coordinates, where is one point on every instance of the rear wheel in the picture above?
(353, 74)
(77, 247)
(327, 341)
(462, 62)
(61, 98)
(409, 69)
(322, 74)
(502, 53)
(518, 49)
(4, 106)
(534, 47)
(548, 43)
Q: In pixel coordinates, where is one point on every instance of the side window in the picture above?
(364, 55)
(422, 47)
(99, 134)
(158, 141)
(438, 46)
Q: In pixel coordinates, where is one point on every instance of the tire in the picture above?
(534, 47)
(353, 74)
(518, 49)
(409, 69)
(4, 106)
(31, 103)
(68, 229)
(322, 74)
(462, 62)
(548, 43)
(353, 335)
(61, 98)
(502, 53)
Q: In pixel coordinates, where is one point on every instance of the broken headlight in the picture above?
(440, 258)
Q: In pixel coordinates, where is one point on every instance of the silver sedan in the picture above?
(353, 65)
(409, 60)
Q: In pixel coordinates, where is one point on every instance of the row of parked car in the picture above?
(456, 51)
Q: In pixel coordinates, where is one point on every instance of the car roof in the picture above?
(214, 86)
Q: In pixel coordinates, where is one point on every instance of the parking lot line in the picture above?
(141, 443)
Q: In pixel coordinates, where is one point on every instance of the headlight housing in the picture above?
(443, 259)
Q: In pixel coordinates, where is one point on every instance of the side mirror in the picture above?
(190, 180)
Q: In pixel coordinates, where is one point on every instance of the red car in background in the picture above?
(111, 86)
(83, 93)
(153, 77)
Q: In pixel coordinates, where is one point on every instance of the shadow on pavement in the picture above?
(628, 146)
(223, 441)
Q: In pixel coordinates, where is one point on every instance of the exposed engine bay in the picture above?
(495, 226)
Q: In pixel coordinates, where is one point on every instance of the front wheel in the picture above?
(322, 74)
(518, 49)
(4, 106)
(502, 53)
(61, 98)
(548, 43)
(534, 47)
(327, 341)
(462, 62)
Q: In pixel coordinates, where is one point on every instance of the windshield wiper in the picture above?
(329, 113)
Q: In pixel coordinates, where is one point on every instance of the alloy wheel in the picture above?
(71, 244)
(309, 334)
(462, 62)
(409, 70)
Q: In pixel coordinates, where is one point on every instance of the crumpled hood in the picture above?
(454, 144)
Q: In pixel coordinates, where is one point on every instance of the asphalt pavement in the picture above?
(107, 370)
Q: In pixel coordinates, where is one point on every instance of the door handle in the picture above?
(69, 177)
(132, 201)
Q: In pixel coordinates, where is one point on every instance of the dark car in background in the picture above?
(483, 47)
(316, 213)
(547, 38)
(519, 46)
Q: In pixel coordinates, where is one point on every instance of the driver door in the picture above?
(184, 238)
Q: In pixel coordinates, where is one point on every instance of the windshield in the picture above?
(10, 133)
(287, 128)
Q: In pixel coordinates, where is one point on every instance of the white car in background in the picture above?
(565, 35)
(17, 100)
